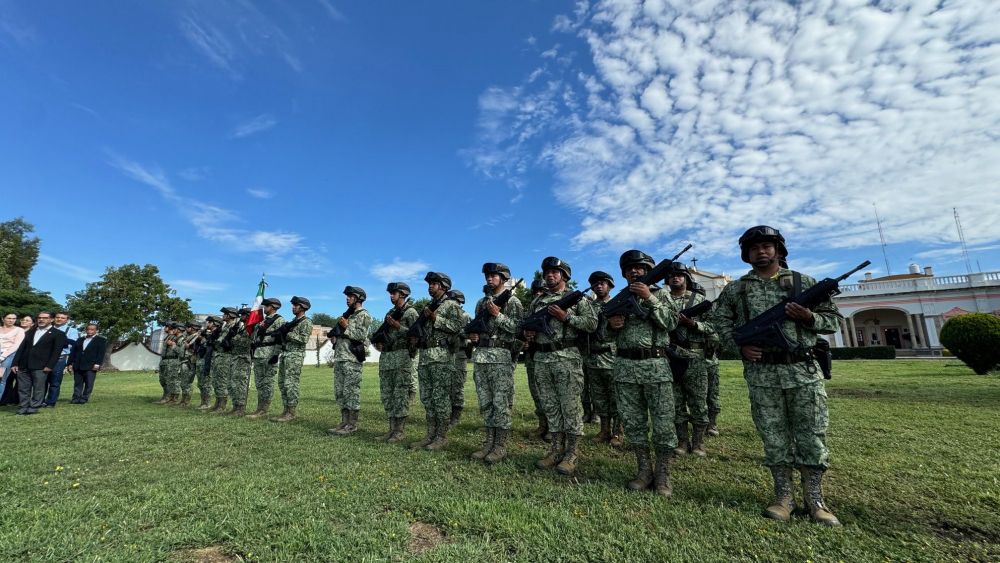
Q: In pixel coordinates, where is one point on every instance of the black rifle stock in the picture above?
(479, 324)
(539, 320)
(416, 335)
(355, 347)
(764, 330)
(381, 335)
(625, 302)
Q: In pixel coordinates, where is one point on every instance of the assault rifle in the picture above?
(381, 335)
(416, 335)
(279, 336)
(479, 325)
(625, 303)
(227, 341)
(355, 347)
(539, 320)
(692, 313)
(764, 330)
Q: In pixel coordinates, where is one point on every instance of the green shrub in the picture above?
(864, 353)
(975, 339)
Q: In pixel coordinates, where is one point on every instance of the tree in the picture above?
(323, 319)
(975, 339)
(523, 293)
(419, 304)
(126, 300)
(26, 301)
(18, 253)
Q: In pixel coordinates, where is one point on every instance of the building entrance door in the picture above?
(891, 337)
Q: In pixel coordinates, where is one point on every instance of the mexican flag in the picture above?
(257, 309)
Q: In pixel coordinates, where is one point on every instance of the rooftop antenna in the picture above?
(881, 236)
(961, 238)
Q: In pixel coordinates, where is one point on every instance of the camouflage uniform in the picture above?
(437, 362)
(461, 373)
(643, 387)
(787, 401)
(493, 364)
(395, 367)
(292, 356)
(239, 378)
(346, 367)
(599, 363)
(712, 366)
(559, 372)
(188, 364)
(222, 364)
(203, 369)
(171, 365)
(263, 369)
(691, 386)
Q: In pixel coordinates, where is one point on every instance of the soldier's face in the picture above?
(269, 309)
(396, 298)
(553, 278)
(351, 300)
(435, 289)
(677, 281)
(634, 272)
(762, 253)
(601, 288)
(494, 280)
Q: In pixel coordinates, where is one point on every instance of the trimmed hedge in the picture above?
(975, 339)
(864, 353)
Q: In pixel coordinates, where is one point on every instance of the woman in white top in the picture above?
(10, 340)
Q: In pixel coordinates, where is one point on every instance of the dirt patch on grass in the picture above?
(856, 393)
(212, 554)
(963, 532)
(424, 537)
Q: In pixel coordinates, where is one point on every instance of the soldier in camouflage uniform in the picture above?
(787, 396)
(263, 369)
(222, 360)
(188, 362)
(161, 368)
(712, 365)
(289, 341)
(461, 364)
(542, 432)
(687, 344)
(395, 365)
(239, 370)
(493, 363)
(437, 359)
(207, 337)
(643, 381)
(599, 360)
(350, 341)
(559, 366)
(170, 364)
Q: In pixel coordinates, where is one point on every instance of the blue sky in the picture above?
(329, 143)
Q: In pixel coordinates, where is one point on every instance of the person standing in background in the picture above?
(84, 362)
(10, 340)
(60, 323)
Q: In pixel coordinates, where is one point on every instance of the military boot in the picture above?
(352, 424)
(588, 413)
(392, 430)
(713, 428)
(261, 412)
(661, 479)
(214, 407)
(239, 409)
(399, 432)
(185, 400)
(172, 399)
(554, 455)
(431, 433)
(683, 445)
(617, 435)
(205, 403)
(604, 436)
(440, 437)
(812, 494)
(221, 408)
(567, 466)
(456, 415)
(287, 416)
(499, 451)
(163, 399)
(644, 477)
(784, 500)
(698, 440)
(488, 440)
(543, 428)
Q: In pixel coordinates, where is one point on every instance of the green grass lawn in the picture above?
(915, 476)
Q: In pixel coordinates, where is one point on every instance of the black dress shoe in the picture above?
(31, 411)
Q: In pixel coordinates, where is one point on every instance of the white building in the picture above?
(907, 311)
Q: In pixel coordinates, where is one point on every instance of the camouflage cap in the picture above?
(401, 287)
(438, 277)
(537, 285)
(272, 301)
(497, 268)
(356, 291)
(296, 300)
(679, 269)
(212, 319)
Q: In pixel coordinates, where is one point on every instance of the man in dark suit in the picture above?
(85, 361)
(36, 358)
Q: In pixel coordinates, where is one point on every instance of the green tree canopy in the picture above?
(126, 300)
(323, 319)
(26, 301)
(18, 253)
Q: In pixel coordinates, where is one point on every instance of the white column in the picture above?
(853, 332)
(836, 339)
(913, 334)
(932, 333)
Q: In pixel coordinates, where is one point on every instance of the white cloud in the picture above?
(260, 193)
(399, 270)
(694, 120)
(258, 124)
(194, 173)
(335, 14)
(284, 252)
(195, 286)
(68, 269)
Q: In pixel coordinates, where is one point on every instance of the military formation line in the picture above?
(643, 362)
